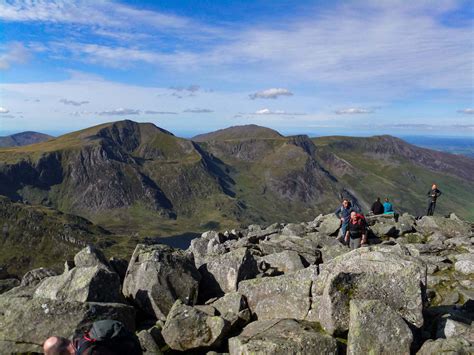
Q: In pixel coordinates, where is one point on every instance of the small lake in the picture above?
(181, 241)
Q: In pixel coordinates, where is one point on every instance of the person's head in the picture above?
(58, 346)
(434, 187)
(346, 203)
(378, 199)
(354, 216)
(386, 199)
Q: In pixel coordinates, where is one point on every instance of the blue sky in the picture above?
(316, 67)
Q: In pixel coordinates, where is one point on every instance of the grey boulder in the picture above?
(374, 328)
(282, 337)
(157, 276)
(33, 277)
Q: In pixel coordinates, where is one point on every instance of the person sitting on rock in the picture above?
(356, 234)
(387, 207)
(344, 214)
(434, 193)
(377, 207)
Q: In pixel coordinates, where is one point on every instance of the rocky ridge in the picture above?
(279, 289)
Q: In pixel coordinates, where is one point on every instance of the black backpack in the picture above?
(108, 337)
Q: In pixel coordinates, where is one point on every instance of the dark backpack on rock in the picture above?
(108, 337)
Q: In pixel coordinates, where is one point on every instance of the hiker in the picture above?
(105, 337)
(387, 207)
(344, 214)
(434, 193)
(356, 234)
(377, 207)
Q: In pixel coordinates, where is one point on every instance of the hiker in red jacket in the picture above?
(356, 234)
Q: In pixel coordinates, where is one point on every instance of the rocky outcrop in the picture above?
(157, 276)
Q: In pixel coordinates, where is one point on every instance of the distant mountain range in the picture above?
(130, 177)
(23, 138)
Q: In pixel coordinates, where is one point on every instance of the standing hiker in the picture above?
(433, 194)
(356, 234)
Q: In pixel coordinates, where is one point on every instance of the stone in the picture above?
(458, 241)
(305, 247)
(446, 226)
(157, 276)
(34, 277)
(458, 346)
(187, 328)
(282, 337)
(8, 284)
(223, 274)
(91, 256)
(453, 329)
(285, 296)
(413, 238)
(285, 261)
(26, 322)
(293, 229)
(119, 266)
(82, 284)
(374, 328)
(377, 273)
(148, 343)
(405, 224)
(198, 248)
(388, 229)
(233, 308)
(465, 267)
(329, 224)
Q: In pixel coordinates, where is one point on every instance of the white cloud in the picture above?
(266, 111)
(119, 112)
(271, 93)
(15, 53)
(4, 110)
(468, 111)
(73, 103)
(198, 110)
(151, 112)
(354, 111)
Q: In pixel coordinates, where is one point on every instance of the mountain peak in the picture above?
(238, 132)
(23, 138)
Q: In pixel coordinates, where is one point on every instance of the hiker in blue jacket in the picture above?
(344, 214)
(387, 207)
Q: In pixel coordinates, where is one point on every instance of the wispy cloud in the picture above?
(151, 112)
(468, 111)
(14, 53)
(266, 111)
(271, 93)
(353, 111)
(73, 102)
(4, 110)
(119, 112)
(198, 110)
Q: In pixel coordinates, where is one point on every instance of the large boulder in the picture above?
(385, 229)
(329, 224)
(465, 266)
(157, 276)
(233, 308)
(91, 256)
(379, 273)
(281, 337)
(293, 229)
(223, 274)
(305, 247)
(25, 322)
(285, 261)
(285, 296)
(188, 328)
(406, 224)
(82, 284)
(446, 226)
(374, 328)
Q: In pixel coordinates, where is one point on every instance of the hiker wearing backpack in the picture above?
(105, 337)
(356, 234)
(434, 193)
(344, 214)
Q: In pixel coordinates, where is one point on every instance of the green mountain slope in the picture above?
(387, 166)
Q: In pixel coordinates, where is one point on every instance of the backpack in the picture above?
(108, 337)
